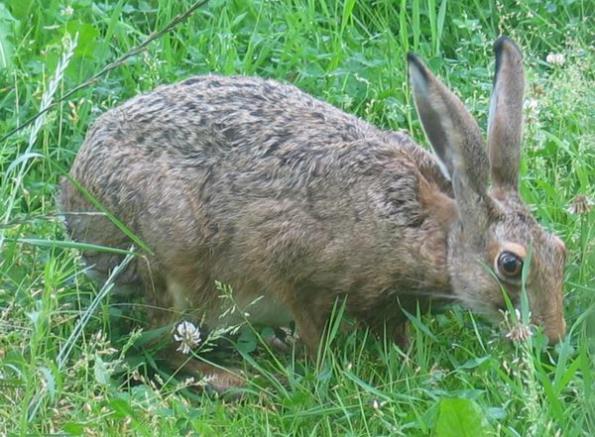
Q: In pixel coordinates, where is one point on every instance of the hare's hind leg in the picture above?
(216, 378)
(180, 298)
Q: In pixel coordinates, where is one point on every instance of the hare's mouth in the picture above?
(503, 306)
(491, 311)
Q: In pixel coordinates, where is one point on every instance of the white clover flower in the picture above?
(556, 59)
(532, 105)
(67, 11)
(188, 335)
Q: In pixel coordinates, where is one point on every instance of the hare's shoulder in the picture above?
(426, 162)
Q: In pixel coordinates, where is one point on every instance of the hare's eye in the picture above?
(509, 265)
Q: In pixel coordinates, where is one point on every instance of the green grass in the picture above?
(458, 372)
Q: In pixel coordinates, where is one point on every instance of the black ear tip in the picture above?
(416, 63)
(501, 43)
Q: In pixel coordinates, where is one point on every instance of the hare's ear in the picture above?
(506, 115)
(456, 138)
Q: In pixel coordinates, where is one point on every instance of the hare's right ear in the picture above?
(456, 138)
(506, 116)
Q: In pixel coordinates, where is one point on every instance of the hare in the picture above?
(296, 204)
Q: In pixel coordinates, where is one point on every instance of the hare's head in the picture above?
(495, 245)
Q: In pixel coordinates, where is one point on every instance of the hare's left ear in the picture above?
(506, 116)
(456, 138)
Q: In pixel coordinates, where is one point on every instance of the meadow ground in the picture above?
(460, 376)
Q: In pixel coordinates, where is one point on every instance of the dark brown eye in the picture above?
(510, 265)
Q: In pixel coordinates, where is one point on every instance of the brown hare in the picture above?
(288, 199)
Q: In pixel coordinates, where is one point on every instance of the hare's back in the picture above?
(209, 116)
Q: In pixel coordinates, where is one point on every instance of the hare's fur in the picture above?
(295, 203)
(257, 184)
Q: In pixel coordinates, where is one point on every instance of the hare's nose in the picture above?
(557, 335)
(554, 329)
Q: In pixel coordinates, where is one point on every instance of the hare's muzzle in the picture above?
(546, 302)
(554, 327)
(555, 332)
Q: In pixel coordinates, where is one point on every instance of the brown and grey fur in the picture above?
(259, 185)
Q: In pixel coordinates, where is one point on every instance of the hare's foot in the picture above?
(282, 339)
(310, 326)
(218, 379)
(400, 334)
(395, 330)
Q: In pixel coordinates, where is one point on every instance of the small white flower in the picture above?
(518, 331)
(532, 104)
(581, 204)
(188, 335)
(67, 11)
(555, 59)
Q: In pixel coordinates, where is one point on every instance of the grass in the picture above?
(458, 373)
